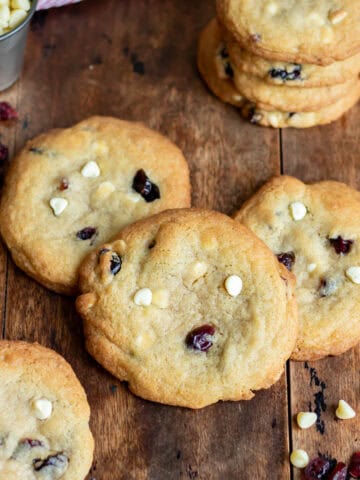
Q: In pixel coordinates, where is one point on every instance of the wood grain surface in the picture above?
(136, 60)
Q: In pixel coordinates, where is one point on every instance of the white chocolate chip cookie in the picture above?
(222, 326)
(319, 241)
(44, 421)
(70, 190)
(298, 31)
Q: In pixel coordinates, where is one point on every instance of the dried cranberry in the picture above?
(341, 246)
(287, 259)
(227, 66)
(354, 467)
(143, 185)
(338, 473)
(31, 442)
(198, 339)
(283, 74)
(7, 112)
(4, 153)
(115, 264)
(86, 233)
(58, 461)
(318, 468)
(64, 184)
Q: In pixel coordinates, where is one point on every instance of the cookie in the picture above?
(70, 190)
(315, 231)
(285, 99)
(198, 309)
(277, 119)
(319, 32)
(44, 425)
(290, 74)
(215, 67)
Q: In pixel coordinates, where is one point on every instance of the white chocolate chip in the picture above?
(306, 419)
(160, 298)
(353, 274)
(90, 170)
(104, 190)
(233, 285)
(21, 4)
(42, 408)
(316, 19)
(337, 16)
(58, 205)
(133, 197)
(327, 34)
(143, 297)
(195, 271)
(274, 119)
(4, 15)
(344, 411)
(272, 8)
(297, 210)
(100, 148)
(16, 17)
(299, 458)
(311, 267)
(237, 98)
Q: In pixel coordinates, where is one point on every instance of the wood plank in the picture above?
(329, 152)
(136, 60)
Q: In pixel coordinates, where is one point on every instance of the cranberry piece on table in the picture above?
(7, 112)
(287, 259)
(340, 245)
(200, 338)
(339, 472)
(143, 185)
(354, 467)
(318, 469)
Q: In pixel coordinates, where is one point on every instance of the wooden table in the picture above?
(136, 59)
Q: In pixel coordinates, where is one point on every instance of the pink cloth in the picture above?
(54, 3)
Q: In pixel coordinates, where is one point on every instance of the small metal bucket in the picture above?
(12, 48)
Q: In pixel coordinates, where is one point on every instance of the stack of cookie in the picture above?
(284, 65)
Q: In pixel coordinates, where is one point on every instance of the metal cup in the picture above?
(12, 48)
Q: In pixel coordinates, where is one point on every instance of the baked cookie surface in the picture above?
(290, 74)
(44, 424)
(216, 69)
(70, 190)
(295, 99)
(315, 231)
(296, 31)
(277, 119)
(181, 308)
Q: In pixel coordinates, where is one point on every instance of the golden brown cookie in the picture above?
(198, 309)
(315, 232)
(290, 74)
(298, 31)
(44, 424)
(70, 190)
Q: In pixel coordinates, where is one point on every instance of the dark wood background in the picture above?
(135, 59)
